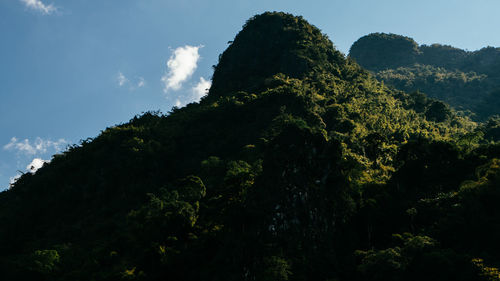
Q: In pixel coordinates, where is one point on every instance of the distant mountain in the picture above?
(297, 165)
(469, 81)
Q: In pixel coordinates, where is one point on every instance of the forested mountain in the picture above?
(297, 165)
(467, 80)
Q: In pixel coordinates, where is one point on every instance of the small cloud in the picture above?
(137, 83)
(39, 6)
(181, 66)
(38, 146)
(201, 89)
(141, 82)
(32, 168)
(36, 164)
(21, 146)
(121, 79)
(197, 92)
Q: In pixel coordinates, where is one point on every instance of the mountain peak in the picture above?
(384, 50)
(271, 43)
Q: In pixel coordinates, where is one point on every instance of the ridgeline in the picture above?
(467, 80)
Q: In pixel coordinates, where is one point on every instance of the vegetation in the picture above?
(469, 81)
(298, 165)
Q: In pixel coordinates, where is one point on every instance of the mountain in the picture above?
(297, 165)
(467, 80)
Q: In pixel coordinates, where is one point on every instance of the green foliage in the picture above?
(381, 51)
(296, 160)
(275, 269)
(45, 261)
(488, 273)
(491, 129)
(272, 43)
(414, 258)
(438, 112)
(468, 81)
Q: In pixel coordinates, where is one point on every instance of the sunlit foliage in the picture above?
(298, 165)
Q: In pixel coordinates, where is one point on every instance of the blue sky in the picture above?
(69, 69)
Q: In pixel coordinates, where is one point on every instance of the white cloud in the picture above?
(141, 82)
(197, 92)
(121, 79)
(138, 82)
(201, 89)
(39, 6)
(36, 164)
(181, 66)
(38, 146)
(32, 168)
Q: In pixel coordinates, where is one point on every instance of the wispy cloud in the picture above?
(39, 145)
(201, 89)
(181, 66)
(39, 6)
(136, 83)
(141, 82)
(121, 79)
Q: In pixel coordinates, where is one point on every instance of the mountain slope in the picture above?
(469, 81)
(298, 165)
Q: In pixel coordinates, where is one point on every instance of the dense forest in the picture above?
(298, 165)
(467, 80)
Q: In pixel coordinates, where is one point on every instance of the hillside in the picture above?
(297, 165)
(467, 80)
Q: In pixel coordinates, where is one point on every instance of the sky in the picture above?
(71, 68)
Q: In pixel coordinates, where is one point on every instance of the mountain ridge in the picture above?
(270, 45)
(301, 171)
(467, 80)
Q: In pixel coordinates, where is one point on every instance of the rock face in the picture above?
(268, 44)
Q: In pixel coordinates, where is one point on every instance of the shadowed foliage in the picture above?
(298, 165)
(469, 81)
